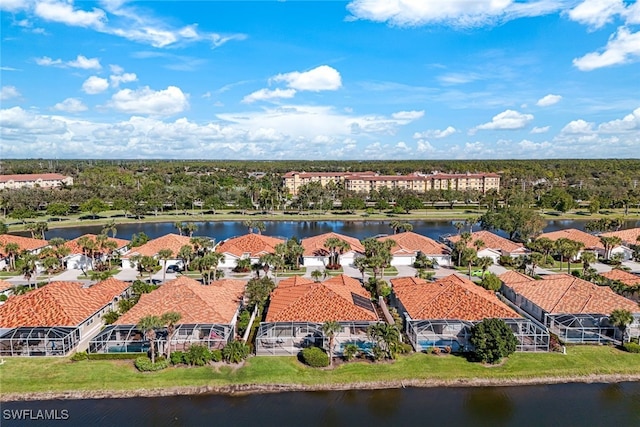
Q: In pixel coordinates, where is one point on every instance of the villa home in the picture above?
(574, 309)
(5, 288)
(442, 313)
(591, 243)
(629, 238)
(41, 180)
(299, 307)
(622, 276)
(493, 246)
(33, 246)
(409, 245)
(251, 246)
(169, 241)
(54, 319)
(79, 259)
(208, 316)
(316, 253)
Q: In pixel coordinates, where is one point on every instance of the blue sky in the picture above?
(360, 79)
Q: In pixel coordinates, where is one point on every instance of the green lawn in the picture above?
(388, 271)
(22, 375)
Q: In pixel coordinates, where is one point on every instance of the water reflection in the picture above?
(489, 406)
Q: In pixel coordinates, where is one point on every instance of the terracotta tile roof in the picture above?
(492, 241)
(622, 276)
(4, 285)
(25, 243)
(590, 241)
(152, 247)
(451, 297)
(314, 246)
(75, 248)
(628, 236)
(252, 243)
(214, 303)
(562, 293)
(28, 177)
(331, 300)
(410, 243)
(513, 276)
(59, 304)
(294, 281)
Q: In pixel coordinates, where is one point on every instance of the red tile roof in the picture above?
(491, 241)
(451, 297)
(331, 300)
(25, 243)
(27, 177)
(152, 247)
(409, 243)
(75, 248)
(253, 244)
(513, 276)
(562, 293)
(622, 276)
(629, 236)
(4, 285)
(590, 241)
(314, 246)
(59, 304)
(214, 303)
(294, 281)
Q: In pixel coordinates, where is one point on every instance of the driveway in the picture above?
(633, 265)
(67, 276)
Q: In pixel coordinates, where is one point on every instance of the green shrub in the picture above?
(216, 355)
(315, 357)
(491, 282)
(110, 317)
(143, 363)
(177, 357)
(405, 348)
(378, 353)
(3, 298)
(492, 340)
(198, 355)
(350, 351)
(235, 352)
(113, 356)
(632, 347)
(81, 355)
(243, 321)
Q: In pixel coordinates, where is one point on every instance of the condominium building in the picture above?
(418, 182)
(43, 180)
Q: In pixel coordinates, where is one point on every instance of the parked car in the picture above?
(174, 269)
(476, 273)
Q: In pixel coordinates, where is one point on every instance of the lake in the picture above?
(543, 405)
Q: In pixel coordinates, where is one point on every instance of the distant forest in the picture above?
(139, 186)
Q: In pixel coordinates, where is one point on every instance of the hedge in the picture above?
(143, 363)
(113, 356)
(315, 357)
(632, 347)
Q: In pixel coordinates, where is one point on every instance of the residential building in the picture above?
(251, 246)
(409, 244)
(622, 276)
(54, 319)
(170, 241)
(591, 243)
(43, 180)
(629, 236)
(79, 260)
(493, 246)
(33, 246)
(316, 253)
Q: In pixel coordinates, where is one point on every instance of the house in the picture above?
(591, 243)
(623, 277)
(169, 241)
(574, 309)
(629, 238)
(208, 317)
(298, 308)
(33, 246)
(316, 253)
(42, 180)
(409, 245)
(79, 260)
(251, 246)
(442, 313)
(5, 288)
(54, 319)
(493, 246)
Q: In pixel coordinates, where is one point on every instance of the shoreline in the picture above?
(249, 389)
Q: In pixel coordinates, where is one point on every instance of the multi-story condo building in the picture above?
(418, 182)
(44, 180)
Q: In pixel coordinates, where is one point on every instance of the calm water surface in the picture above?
(554, 405)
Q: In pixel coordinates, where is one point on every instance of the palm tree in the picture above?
(110, 226)
(361, 264)
(609, 243)
(330, 329)
(274, 262)
(164, 255)
(190, 228)
(484, 263)
(294, 252)
(478, 244)
(536, 259)
(178, 225)
(395, 225)
(621, 318)
(186, 255)
(587, 258)
(243, 264)
(469, 257)
(567, 249)
(316, 275)
(257, 267)
(148, 326)
(29, 267)
(169, 319)
(459, 225)
(386, 336)
(88, 247)
(12, 250)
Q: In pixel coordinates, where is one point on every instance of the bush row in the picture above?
(143, 363)
(197, 355)
(315, 357)
(632, 347)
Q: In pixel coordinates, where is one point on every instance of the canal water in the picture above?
(222, 230)
(563, 405)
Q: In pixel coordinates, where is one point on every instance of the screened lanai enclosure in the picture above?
(455, 334)
(38, 341)
(289, 338)
(129, 339)
(588, 328)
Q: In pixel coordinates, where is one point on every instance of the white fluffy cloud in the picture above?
(65, 13)
(507, 120)
(267, 94)
(116, 79)
(577, 127)
(423, 146)
(435, 133)
(94, 85)
(623, 47)
(165, 102)
(596, 13)
(408, 115)
(320, 78)
(8, 92)
(458, 13)
(70, 105)
(538, 130)
(80, 62)
(548, 100)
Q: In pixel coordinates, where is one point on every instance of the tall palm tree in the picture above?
(330, 329)
(567, 249)
(316, 275)
(186, 255)
(536, 259)
(148, 325)
(609, 243)
(88, 247)
(164, 255)
(469, 257)
(478, 244)
(29, 266)
(587, 258)
(110, 226)
(621, 318)
(12, 250)
(179, 226)
(484, 263)
(170, 319)
(361, 264)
